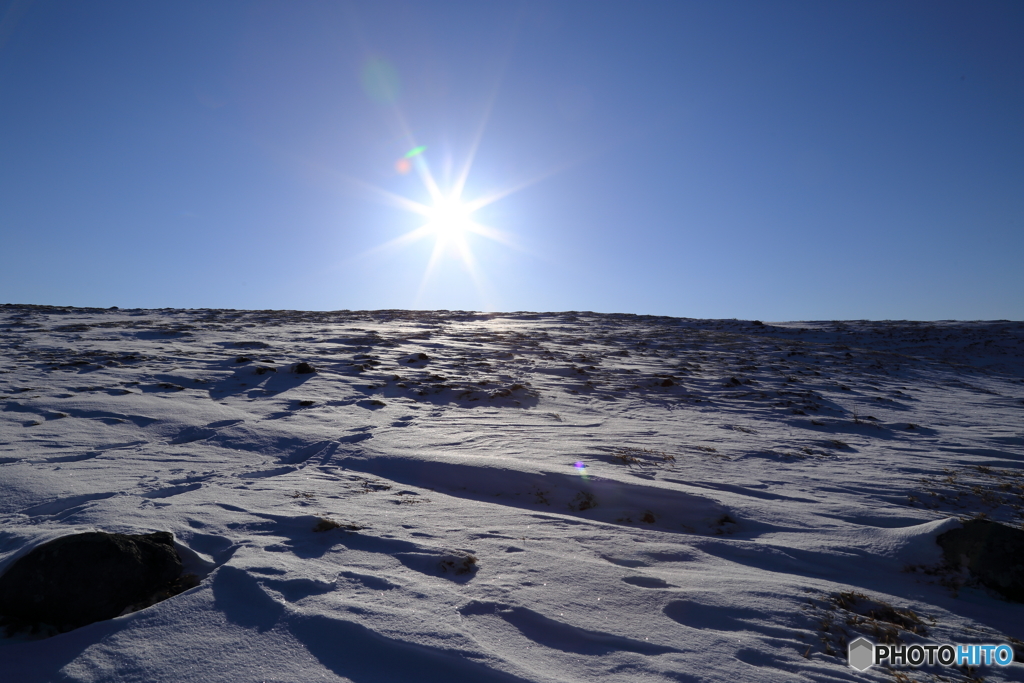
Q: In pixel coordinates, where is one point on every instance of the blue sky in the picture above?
(780, 161)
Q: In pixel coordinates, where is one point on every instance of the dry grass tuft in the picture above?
(458, 564)
(641, 457)
(584, 500)
(884, 621)
(846, 615)
(979, 491)
(724, 525)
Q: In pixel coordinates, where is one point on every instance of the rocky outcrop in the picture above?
(75, 580)
(992, 552)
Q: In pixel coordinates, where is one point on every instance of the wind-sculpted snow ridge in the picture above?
(439, 496)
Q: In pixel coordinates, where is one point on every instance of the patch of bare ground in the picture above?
(974, 491)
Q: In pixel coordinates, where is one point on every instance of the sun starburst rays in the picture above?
(448, 214)
(449, 221)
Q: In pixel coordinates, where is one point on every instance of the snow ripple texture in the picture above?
(511, 497)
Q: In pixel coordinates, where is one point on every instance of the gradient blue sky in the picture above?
(772, 160)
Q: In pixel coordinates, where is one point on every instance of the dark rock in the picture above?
(758, 323)
(304, 369)
(667, 383)
(243, 359)
(992, 552)
(75, 580)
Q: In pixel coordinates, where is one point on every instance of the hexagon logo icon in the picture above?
(861, 654)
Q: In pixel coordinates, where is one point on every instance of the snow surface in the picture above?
(646, 498)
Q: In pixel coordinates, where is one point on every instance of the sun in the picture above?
(449, 219)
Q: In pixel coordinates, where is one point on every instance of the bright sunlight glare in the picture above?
(449, 218)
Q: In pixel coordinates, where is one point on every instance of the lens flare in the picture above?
(380, 81)
(449, 217)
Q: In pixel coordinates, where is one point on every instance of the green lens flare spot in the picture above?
(380, 81)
